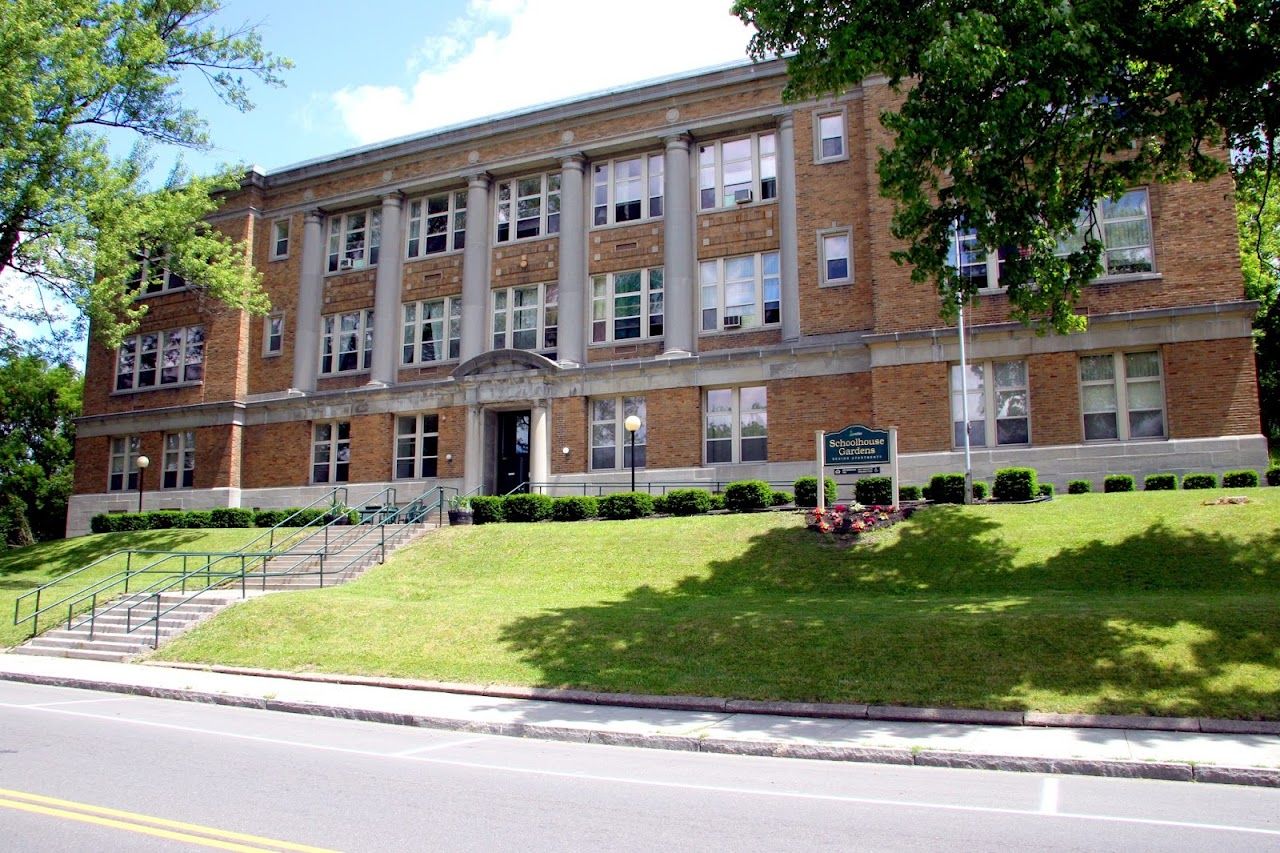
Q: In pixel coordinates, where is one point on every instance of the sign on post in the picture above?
(860, 448)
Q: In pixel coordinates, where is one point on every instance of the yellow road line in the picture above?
(160, 827)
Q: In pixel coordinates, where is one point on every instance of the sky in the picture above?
(382, 69)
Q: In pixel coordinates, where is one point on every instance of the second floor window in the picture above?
(279, 239)
(627, 190)
(626, 305)
(1123, 225)
(975, 264)
(526, 317)
(740, 293)
(354, 240)
(346, 344)
(156, 359)
(154, 276)
(273, 334)
(737, 171)
(528, 207)
(437, 223)
(432, 330)
(179, 460)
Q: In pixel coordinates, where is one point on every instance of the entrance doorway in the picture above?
(512, 452)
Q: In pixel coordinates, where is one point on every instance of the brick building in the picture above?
(485, 304)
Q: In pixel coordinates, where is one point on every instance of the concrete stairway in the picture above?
(297, 569)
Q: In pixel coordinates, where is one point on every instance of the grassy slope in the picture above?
(1143, 603)
(24, 569)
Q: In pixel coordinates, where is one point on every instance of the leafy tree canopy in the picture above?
(71, 217)
(1258, 214)
(1020, 114)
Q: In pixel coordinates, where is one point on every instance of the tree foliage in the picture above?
(1258, 214)
(1019, 114)
(72, 218)
(37, 442)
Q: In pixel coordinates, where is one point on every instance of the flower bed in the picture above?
(849, 521)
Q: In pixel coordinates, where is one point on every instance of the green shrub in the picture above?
(781, 499)
(688, 501)
(717, 501)
(624, 505)
(231, 516)
(487, 509)
(104, 522)
(270, 517)
(1117, 483)
(979, 490)
(908, 493)
(874, 491)
(574, 508)
(1200, 481)
(746, 495)
(163, 519)
(660, 505)
(1015, 484)
(947, 488)
(1079, 487)
(1244, 479)
(807, 491)
(1160, 482)
(527, 507)
(195, 519)
(1046, 490)
(1273, 476)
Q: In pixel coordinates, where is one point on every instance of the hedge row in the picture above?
(166, 519)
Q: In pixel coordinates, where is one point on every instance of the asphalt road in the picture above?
(81, 770)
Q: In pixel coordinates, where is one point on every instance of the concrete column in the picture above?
(571, 348)
(473, 451)
(475, 268)
(306, 337)
(386, 298)
(539, 443)
(678, 259)
(788, 238)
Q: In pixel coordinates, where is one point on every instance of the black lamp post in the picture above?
(142, 463)
(632, 423)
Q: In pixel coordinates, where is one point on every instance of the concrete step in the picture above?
(98, 644)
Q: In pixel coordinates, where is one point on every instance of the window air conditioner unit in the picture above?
(732, 322)
(345, 264)
(742, 196)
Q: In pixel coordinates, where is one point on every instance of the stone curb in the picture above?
(1177, 771)
(887, 713)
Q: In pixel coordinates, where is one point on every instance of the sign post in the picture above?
(818, 436)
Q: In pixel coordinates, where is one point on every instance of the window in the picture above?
(354, 240)
(975, 264)
(829, 136)
(279, 239)
(347, 342)
(737, 171)
(153, 275)
(432, 330)
(526, 317)
(124, 464)
(273, 333)
(156, 359)
(417, 446)
(536, 211)
(736, 425)
(437, 223)
(627, 190)
(1123, 225)
(835, 260)
(179, 460)
(610, 441)
(740, 293)
(1138, 394)
(997, 408)
(626, 305)
(331, 452)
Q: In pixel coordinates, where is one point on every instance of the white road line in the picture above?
(74, 702)
(720, 789)
(408, 753)
(1049, 797)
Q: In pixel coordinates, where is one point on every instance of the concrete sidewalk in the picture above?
(1174, 749)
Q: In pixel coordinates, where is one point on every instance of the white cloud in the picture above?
(509, 54)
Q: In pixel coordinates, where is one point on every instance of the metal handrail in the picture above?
(715, 486)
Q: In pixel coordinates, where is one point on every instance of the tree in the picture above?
(1258, 215)
(1018, 115)
(72, 219)
(37, 442)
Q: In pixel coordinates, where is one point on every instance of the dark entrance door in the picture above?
(513, 452)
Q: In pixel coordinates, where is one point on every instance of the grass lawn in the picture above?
(24, 569)
(1139, 603)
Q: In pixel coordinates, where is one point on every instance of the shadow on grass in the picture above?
(1165, 622)
(33, 565)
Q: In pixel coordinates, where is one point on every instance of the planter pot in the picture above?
(459, 516)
